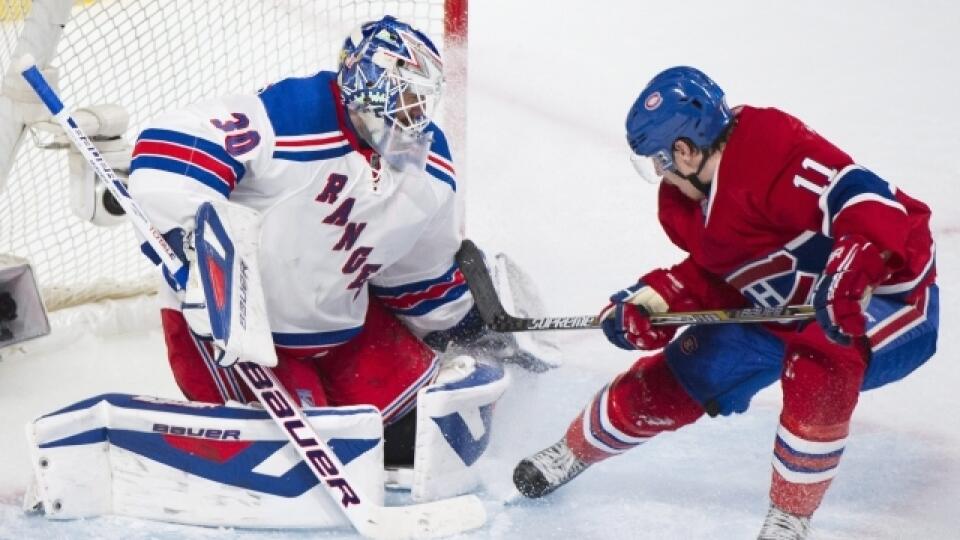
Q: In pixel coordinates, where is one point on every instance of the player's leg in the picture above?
(821, 385)
(195, 371)
(638, 404)
(715, 369)
(385, 366)
(200, 378)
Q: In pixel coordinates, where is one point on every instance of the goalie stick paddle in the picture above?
(426, 520)
(496, 317)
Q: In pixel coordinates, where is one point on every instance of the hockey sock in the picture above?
(819, 395)
(639, 403)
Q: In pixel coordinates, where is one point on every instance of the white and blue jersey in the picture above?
(334, 220)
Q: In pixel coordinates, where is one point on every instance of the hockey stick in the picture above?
(426, 520)
(88, 150)
(496, 317)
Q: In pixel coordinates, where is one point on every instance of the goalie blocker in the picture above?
(216, 465)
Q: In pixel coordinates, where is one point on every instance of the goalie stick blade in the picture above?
(491, 310)
(435, 519)
(471, 263)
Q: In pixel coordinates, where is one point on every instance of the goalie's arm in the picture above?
(183, 159)
(426, 288)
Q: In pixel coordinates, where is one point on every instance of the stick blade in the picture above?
(470, 260)
(435, 519)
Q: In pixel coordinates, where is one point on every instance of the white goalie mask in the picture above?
(391, 78)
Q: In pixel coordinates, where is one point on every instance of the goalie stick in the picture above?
(426, 520)
(46, 93)
(496, 317)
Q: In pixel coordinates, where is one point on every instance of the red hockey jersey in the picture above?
(781, 194)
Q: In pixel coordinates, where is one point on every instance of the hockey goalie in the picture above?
(322, 211)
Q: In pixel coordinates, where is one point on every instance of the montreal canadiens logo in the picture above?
(653, 101)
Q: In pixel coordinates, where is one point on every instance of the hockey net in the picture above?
(148, 56)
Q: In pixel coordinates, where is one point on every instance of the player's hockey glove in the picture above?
(626, 320)
(854, 268)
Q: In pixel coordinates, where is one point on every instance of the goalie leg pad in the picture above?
(194, 463)
(454, 421)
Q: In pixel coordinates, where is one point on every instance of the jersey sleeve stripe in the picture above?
(441, 169)
(853, 186)
(189, 157)
(334, 138)
(174, 166)
(312, 147)
(315, 155)
(197, 145)
(442, 163)
(870, 197)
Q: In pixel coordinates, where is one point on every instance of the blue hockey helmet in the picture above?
(391, 76)
(678, 103)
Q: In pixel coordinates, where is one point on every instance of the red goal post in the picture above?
(142, 57)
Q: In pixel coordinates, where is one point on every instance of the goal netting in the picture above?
(148, 56)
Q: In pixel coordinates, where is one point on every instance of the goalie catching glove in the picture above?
(224, 301)
(854, 268)
(626, 320)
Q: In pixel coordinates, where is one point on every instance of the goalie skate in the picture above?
(547, 470)
(781, 525)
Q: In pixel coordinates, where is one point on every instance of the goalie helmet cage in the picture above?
(149, 56)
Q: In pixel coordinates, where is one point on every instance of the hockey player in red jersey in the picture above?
(769, 213)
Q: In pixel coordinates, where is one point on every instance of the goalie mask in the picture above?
(391, 78)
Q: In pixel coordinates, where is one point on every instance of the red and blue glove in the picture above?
(626, 320)
(854, 268)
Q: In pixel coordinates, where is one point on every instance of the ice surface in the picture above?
(550, 184)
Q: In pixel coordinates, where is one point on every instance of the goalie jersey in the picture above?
(337, 226)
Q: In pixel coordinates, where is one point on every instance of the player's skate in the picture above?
(548, 469)
(781, 525)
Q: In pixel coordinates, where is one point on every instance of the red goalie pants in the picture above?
(384, 365)
(821, 384)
